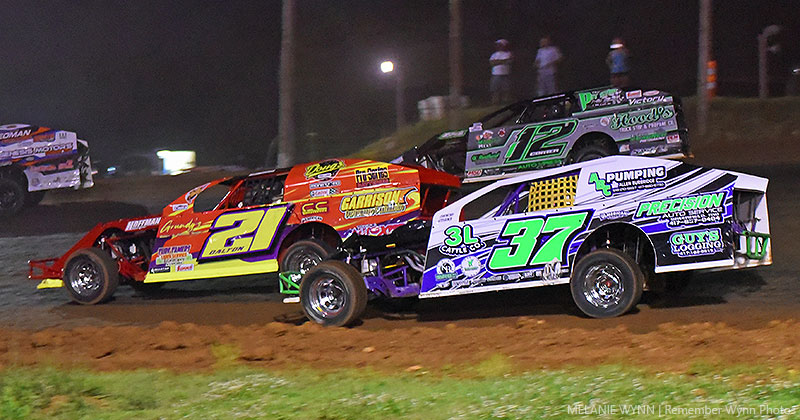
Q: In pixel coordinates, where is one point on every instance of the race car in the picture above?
(35, 159)
(259, 223)
(608, 227)
(557, 130)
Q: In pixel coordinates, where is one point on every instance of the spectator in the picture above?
(547, 59)
(500, 83)
(618, 61)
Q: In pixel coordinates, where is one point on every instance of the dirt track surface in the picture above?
(746, 316)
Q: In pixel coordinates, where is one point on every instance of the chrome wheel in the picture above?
(603, 285)
(328, 296)
(85, 278)
(306, 260)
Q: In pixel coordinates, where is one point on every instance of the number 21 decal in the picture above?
(243, 232)
(528, 247)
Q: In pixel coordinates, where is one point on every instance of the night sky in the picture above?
(132, 76)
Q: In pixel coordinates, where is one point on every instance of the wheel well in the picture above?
(594, 139)
(624, 237)
(16, 174)
(314, 230)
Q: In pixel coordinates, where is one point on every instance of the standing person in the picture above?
(500, 83)
(618, 61)
(547, 59)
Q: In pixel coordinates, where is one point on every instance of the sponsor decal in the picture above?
(628, 180)
(314, 208)
(179, 207)
(501, 132)
(142, 223)
(673, 138)
(600, 98)
(647, 100)
(476, 127)
(173, 255)
(696, 243)
(552, 270)
(474, 173)
(325, 184)
(633, 94)
(651, 93)
(698, 209)
(311, 219)
(324, 170)
(485, 157)
(613, 215)
(36, 150)
(471, 266)
(326, 192)
(459, 240)
(650, 150)
(376, 230)
(14, 134)
(375, 203)
(192, 194)
(645, 138)
(445, 269)
(184, 267)
(156, 270)
(452, 134)
(44, 138)
(484, 143)
(372, 176)
(170, 228)
(638, 120)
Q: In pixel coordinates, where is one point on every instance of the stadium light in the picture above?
(387, 66)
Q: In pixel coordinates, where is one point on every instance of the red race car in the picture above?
(286, 220)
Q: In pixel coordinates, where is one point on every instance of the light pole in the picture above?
(387, 67)
(763, 78)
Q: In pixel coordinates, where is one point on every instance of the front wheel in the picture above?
(91, 276)
(301, 256)
(606, 283)
(12, 197)
(333, 294)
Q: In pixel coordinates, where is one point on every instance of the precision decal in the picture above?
(659, 207)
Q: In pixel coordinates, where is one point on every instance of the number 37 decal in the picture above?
(243, 232)
(530, 242)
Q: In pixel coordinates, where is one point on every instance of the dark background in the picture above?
(132, 76)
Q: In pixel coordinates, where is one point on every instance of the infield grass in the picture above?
(489, 390)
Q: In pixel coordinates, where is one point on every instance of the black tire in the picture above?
(333, 294)
(301, 256)
(12, 197)
(590, 152)
(91, 276)
(32, 198)
(606, 283)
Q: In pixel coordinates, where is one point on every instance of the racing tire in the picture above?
(12, 197)
(91, 276)
(33, 198)
(590, 152)
(303, 255)
(333, 294)
(606, 283)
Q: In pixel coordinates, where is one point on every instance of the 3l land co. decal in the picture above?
(628, 180)
(375, 203)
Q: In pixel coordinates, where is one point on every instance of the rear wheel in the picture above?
(303, 255)
(606, 283)
(12, 197)
(90, 276)
(333, 294)
(591, 152)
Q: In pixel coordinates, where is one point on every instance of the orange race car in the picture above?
(286, 220)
